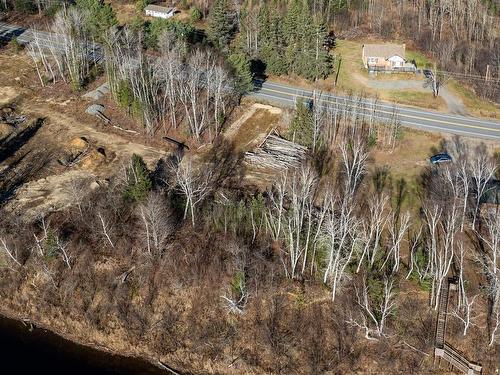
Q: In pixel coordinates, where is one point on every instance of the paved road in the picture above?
(411, 117)
(287, 95)
(454, 103)
(46, 40)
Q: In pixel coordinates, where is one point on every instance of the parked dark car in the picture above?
(441, 158)
(427, 73)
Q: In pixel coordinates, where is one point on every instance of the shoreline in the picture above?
(87, 348)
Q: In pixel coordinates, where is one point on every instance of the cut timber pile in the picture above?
(272, 157)
(276, 153)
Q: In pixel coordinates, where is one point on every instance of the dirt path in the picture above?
(454, 103)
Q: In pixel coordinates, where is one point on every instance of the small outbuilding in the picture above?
(159, 11)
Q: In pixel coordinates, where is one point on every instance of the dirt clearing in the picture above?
(70, 154)
(82, 159)
(252, 127)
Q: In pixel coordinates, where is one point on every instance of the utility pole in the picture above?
(487, 75)
(338, 71)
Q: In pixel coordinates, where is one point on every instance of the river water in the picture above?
(37, 351)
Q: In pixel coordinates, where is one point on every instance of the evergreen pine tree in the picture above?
(301, 129)
(100, 17)
(241, 66)
(138, 181)
(322, 58)
(293, 33)
(273, 54)
(304, 55)
(219, 26)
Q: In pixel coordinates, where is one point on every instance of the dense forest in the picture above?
(329, 265)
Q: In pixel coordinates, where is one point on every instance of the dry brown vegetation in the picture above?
(168, 255)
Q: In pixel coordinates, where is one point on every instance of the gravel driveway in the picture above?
(454, 103)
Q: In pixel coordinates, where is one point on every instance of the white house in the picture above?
(159, 11)
(385, 57)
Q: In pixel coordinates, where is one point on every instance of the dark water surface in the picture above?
(42, 352)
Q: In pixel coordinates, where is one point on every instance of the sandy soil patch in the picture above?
(93, 155)
(52, 193)
(68, 127)
(252, 127)
(8, 94)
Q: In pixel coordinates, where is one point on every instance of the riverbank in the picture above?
(58, 353)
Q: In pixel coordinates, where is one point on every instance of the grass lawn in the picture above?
(407, 161)
(353, 73)
(351, 66)
(125, 13)
(415, 98)
(420, 59)
(410, 155)
(474, 104)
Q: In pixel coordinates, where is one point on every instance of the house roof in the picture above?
(157, 8)
(384, 50)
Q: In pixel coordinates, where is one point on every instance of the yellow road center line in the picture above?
(390, 113)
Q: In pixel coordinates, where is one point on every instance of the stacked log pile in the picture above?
(276, 154)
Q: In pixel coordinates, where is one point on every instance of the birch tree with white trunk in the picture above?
(193, 182)
(300, 221)
(372, 317)
(10, 253)
(373, 227)
(340, 241)
(482, 170)
(157, 227)
(396, 236)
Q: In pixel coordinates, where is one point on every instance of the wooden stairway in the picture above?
(442, 349)
(442, 313)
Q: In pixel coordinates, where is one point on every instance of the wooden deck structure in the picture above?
(442, 350)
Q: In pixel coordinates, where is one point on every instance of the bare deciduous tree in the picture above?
(373, 227)
(156, 221)
(396, 235)
(106, 228)
(300, 220)
(482, 170)
(495, 326)
(436, 80)
(276, 210)
(194, 183)
(413, 263)
(354, 156)
(11, 254)
(62, 249)
(71, 51)
(466, 314)
(372, 316)
(341, 241)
